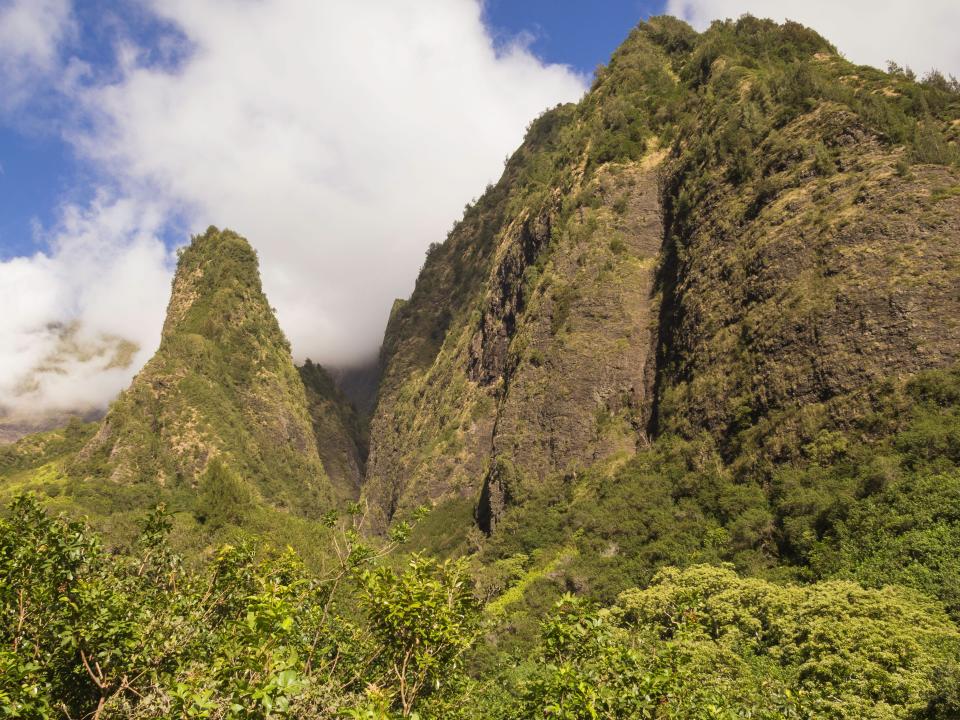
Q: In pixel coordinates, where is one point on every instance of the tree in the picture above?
(425, 618)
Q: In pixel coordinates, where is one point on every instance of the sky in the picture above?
(340, 137)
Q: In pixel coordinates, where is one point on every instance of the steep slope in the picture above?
(734, 234)
(340, 432)
(813, 234)
(222, 385)
(526, 347)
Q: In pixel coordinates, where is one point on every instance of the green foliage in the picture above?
(705, 643)
(424, 620)
(841, 650)
(930, 146)
(590, 668)
(876, 501)
(672, 505)
(250, 634)
(38, 558)
(221, 385)
(223, 497)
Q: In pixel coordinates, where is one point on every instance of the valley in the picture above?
(669, 427)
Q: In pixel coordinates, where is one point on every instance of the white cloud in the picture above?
(340, 137)
(71, 314)
(922, 35)
(31, 32)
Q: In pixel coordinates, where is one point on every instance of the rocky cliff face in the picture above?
(526, 349)
(809, 283)
(338, 429)
(729, 226)
(574, 389)
(221, 385)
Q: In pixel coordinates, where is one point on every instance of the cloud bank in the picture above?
(341, 138)
(922, 35)
(30, 34)
(78, 320)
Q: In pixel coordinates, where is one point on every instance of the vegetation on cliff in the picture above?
(706, 376)
(729, 225)
(221, 385)
(219, 425)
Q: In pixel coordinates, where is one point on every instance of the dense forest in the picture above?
(668, 428)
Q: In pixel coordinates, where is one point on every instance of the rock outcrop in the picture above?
(221, 385)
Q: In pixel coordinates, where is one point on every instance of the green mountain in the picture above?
(220, 402)
(221, 385)
(733, 237)
(668, 428)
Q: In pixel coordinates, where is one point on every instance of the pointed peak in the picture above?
(221, 257)
(213, 243)
(217, 282)
(222, 385)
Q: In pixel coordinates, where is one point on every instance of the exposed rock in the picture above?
(707, 239)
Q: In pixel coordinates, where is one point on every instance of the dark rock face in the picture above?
(581, 393)
(338, 429)
(714, 235)
(834, 284)
(552, 374)
(489, 347)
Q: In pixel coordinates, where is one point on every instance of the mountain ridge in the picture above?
(753, 136)
(669, 427)
(221, 385)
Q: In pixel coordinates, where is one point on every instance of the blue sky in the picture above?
(570, 31)
(340, 137)
(39, 169)
(36, 170)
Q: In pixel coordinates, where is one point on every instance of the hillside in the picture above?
(729, 229)
(219, 416)
(709, 315)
